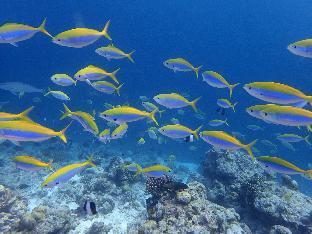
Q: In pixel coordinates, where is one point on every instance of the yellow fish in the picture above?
(66, 173)
(104, 136)
(85, 119)
(105, 87)
(95, 73)
(29, 163)
(112, 52)
(214, 79)
(20, 130)
(175, 100)
(12, 33)
(120, 131)
(222, 140)
(21, 116)
(180, 64)
(154, 171)
(80, 37)
(125, 114)
(301, 48)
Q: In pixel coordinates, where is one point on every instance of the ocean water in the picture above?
(245, 41)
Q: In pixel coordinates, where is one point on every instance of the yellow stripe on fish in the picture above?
(93, 73)
(84, 118)
(12, 33)
(112, 52)
(21, 116)
(222, 140)
(175, 100)
(125, 114)
(31, 163)
(19, 131)
(180, 64)
(80, 37)
(66, 173)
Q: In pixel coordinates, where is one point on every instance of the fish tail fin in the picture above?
(139, 171)
(193, 104)
(310, 100)
(233, 106)
(248, 149)
(62, 133)
(24, 115)
(231, 87)
(75, 82)
(105, 31)
(151, 115)
(90, 161)
(47, 93)
(196, 131)
(309, 128)
(66, 113)
(129, 56)
(113, 75)
(196, 70)
(306, 139)
(118, 89)
(226, 123)
(308, 174)
(42, 28)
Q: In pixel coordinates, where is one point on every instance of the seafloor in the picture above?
(228, 193)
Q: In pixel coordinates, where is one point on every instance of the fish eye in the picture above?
(115, 119)
(79, 75)
(251, 111)
(45, 185)
(58, 39)
(105, 115)
(163, 130)
(57, 183)
(265, 113)
(294, 46)
(249, 87)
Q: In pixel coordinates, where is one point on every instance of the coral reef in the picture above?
(191, 212)
(234, 180)
(11, 210)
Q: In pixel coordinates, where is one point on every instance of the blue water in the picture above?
(245, 41)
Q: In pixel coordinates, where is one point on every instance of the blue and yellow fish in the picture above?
(64, 174)
(29, 163)
(12, 33)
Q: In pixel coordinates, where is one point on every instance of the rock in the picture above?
(12, 208)
(289, 182)
(183, 197)
(107, 206)
(99, 228)
(197, 215)
(234, 180)
(27, 223)
(278, 229)
(7, 198)
(149, 226)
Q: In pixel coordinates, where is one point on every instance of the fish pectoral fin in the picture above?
(14, 44)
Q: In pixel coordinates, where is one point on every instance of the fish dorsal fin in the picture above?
(92, 66)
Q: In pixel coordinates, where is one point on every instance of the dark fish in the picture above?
(189, 138)
(90, 207)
